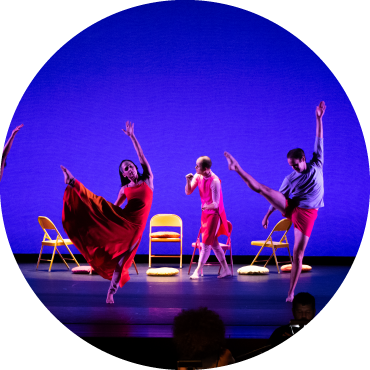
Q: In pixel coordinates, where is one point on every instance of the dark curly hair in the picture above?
(198, 333)
(125, 180)
(297, 153)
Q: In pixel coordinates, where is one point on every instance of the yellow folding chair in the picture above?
(165, 236)
(282, 225)
(47, 224)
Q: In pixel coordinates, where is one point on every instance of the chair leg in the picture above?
(52, 258)
(181, 254)
(192, 259)
(137, 272)
(74, 259)
(269, 259)
(62, 258)
(231, 261)
(150, 252)
(277, 265)
(256, 256)
(38, 261)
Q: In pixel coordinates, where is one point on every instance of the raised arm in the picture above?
(7, 147)
(191, 183)
(320, 110)
(318, 151)
(144, 163)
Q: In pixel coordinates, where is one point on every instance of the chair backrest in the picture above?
(282, 225)
(166, 220)
(230, 226)
(46, 223)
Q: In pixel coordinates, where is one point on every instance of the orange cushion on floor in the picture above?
(288, 268)
(165, 234)
(83, 270)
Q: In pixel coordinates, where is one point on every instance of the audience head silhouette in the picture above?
(199, 334)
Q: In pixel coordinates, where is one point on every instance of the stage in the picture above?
(252, 307)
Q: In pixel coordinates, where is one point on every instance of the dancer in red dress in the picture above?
(105, 234)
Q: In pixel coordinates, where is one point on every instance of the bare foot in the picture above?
(110, 298)
(231, 161)
(67, 175)
(195, 275)
(224, 273)
(290, 297)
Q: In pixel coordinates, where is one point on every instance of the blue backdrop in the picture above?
(197, 79)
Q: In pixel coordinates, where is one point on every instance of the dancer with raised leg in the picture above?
(213, 220)
(299, 197)
(105, 234)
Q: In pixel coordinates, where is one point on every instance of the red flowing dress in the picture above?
(102, 231)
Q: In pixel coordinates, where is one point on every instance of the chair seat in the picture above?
(165, 239)
(60, 242)
(165, 234)
(223, 246)
(260, 243)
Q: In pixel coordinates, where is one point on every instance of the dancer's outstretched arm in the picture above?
(320, 110)
(265, 220)
(7, 147)
(147, 171)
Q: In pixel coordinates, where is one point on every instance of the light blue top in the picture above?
(306, 189)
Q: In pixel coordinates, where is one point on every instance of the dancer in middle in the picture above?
(213, 221)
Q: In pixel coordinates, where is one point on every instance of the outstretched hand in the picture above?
(320, 110)
(265, 222)
(129, 129)
(17, 129)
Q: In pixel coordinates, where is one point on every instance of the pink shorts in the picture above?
(303, 219)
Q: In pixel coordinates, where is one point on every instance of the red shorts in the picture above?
(303, 219)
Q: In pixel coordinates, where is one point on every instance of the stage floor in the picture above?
(250, 306)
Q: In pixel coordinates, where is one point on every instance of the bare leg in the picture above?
(117, 276)
(220, 255)
(275, 198)
(115, 279)
(300, 244)
(203, 257)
